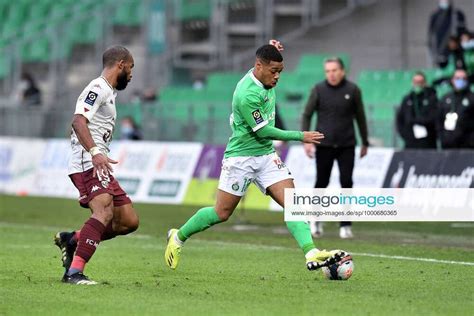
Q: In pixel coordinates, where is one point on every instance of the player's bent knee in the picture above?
(132, 224)
(128, 224)
(224, 214)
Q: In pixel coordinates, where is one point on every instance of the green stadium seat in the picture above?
(3, 10)
(39, 11)
(384, 87)
(290, 115)
(130, 13)
(17, 12)
(311, 63)
(85, 31)
(132, 110)
(381, 113)
(128, 110)
(36, 49)
(60, 12)
(10, 29)
(222, 113)
(193, 10)
(296, 86)
(217, 80)
(4, 63)
(383, 130)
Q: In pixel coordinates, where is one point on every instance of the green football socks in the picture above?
(302, 234)
(207, 217)
(202, 220)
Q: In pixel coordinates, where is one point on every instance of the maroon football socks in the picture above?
(89, 239)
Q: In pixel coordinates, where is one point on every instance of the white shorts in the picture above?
(238, 172)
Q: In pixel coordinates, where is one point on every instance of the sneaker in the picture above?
(345, 232)
(324, 258)
(316, 229)
(63, 241)
(173, 249)
(78, 278)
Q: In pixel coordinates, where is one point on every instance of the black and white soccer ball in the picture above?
(341, 270)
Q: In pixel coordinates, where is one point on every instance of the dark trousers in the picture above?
(325, 157)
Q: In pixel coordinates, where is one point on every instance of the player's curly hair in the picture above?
(268, 53)
(114, 54)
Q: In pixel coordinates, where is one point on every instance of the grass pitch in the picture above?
(254, 268)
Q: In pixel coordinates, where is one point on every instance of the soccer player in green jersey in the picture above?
(250, 157)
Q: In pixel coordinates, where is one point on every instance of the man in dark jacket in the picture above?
(337, 102)
(444, 22)
(456, 114)
(416, 118)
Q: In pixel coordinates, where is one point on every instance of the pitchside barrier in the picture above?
(188, 173)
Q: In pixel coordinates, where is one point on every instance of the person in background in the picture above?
(456, 114)
(129, 129)
(455, 61)
(150, 95)
(444, 22)
(456, 54)
(416, 118)
(467, 45)
(337, 102)
(29, 93)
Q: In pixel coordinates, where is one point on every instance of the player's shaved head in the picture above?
(268, 53)
(115, 54)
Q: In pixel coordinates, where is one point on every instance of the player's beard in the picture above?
(122, 80)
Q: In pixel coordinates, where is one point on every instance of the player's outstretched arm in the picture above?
(100, 162)
(270, 132)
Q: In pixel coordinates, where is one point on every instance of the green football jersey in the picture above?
(253, 107)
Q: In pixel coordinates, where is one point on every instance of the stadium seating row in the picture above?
(49, 29)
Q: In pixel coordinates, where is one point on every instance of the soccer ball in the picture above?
(341, 270)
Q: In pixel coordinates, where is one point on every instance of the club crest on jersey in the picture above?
(91, 97)
(257, 116)
(235, 186)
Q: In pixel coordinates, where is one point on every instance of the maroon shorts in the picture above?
(89, 187)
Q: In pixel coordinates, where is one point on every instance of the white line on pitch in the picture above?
(465, 263)
(362, 254)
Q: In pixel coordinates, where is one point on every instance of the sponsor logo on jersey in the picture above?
(257, 116)
(95, 188)
(91, 97)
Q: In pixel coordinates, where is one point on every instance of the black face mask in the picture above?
(122, 80)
